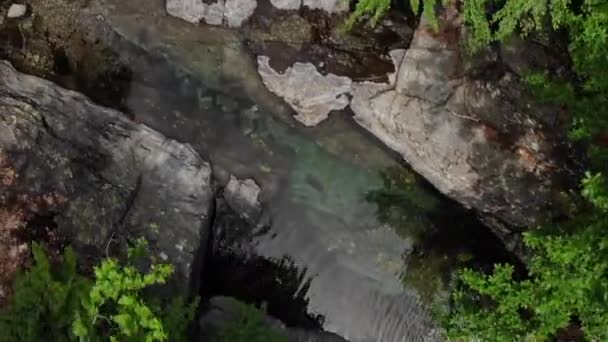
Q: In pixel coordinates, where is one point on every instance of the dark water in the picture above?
(353, 241)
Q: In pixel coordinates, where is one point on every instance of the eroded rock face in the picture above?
(479, 139)
(119, 180)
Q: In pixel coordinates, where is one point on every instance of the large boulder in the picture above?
(118, 180)
(467, 124)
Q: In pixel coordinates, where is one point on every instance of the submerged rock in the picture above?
(120, 180)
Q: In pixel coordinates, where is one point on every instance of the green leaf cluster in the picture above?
(57, 304)
(44, 301)
(374, 10)
(567, 279)
(115, 305)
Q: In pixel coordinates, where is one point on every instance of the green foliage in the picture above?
(250, 326)
(60, 305)
(375, 9)
(176, 318)
(568, 277)
(44, 301)
(114, 305)
(568, 271)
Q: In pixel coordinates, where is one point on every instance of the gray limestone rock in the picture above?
(243, 198)
(120, 180)
(231, 12)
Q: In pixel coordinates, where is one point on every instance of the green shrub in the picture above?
(115, 308)
(250, 326)
(568, 279)
(57, 304)
(568, 271)
(44, 301)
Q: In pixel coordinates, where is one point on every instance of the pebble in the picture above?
(16, 11)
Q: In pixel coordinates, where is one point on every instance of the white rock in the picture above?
(287, 4)
(312, 95)
(214, 13)
(231, 12)
(190, 10)
(16, 11)
(243, 196)
(237, 11)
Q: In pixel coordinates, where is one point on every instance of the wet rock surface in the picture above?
(119, 180)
